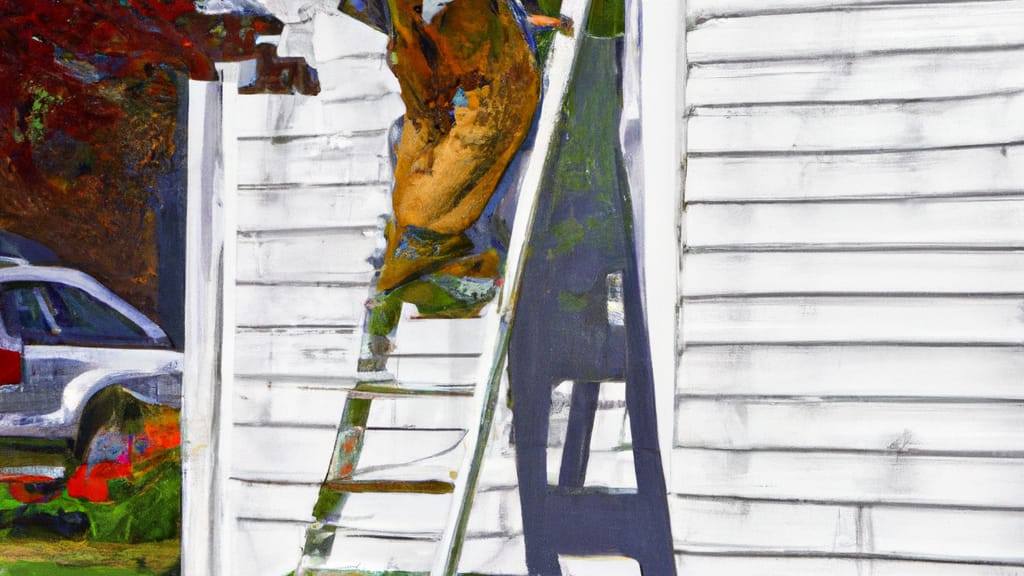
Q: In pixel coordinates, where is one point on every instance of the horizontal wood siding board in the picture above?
(290, 115)
(297, 352)
(864, 371)
(993, 170)
(494, 555)
(991, 536)
(726, 526)
(302, 454)
(921, 320)
(339, 36)
(338, 255)
(693, 564)
(897, 427)
(944, 26)
(881, 273)
(287, 502)
(493, 511)
(266, 547)
(985, 223)
(417, 335)
(701, 10)
(281, 455)
(323, 160)
(900, 77)
(720, 525)
(870, 126)
(356, 78)
(312, 207)
(269, 403)
(843, 477)
(287, 405)
(296, 306)
(434, 369)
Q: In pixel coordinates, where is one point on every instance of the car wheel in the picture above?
(112, 408)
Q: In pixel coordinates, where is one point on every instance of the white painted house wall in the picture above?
(850, 388)
(849, 395)
(313, 179)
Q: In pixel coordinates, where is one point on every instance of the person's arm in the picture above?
(373, 13)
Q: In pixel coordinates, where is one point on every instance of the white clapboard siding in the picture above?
(967, 223)
(861, 126)
(977, 535)
(295, 306)
(321, 255)
(502, 555)
(311, 206)
(269, 403)
(994, 170)
(274, 501)
(313, 183)
(728, 525)
(266, 548)
(717, 525)
(918, 76)
(390, 454)
(881, 273)
(849, 391)
(296, 116)
(271, 547)
(865, 372)
(325, 160)
(970, 320)
(943, 427)
(312, 352)
(379, 512)
(939, 26)
(850, 477)
(281, 453)
(434, 369)
(366, 78)
(418, 336)
(794, 565)
(337, 36)
(706, 9)
(270, 454)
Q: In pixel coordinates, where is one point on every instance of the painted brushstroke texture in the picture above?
(849, 381)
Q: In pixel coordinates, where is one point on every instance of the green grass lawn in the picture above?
(135, 535)
(59, 558)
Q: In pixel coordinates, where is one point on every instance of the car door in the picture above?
(67, 332)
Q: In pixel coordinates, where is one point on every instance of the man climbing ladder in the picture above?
(432, 267)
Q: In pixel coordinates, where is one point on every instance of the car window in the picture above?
(50, 313)
(25, 303)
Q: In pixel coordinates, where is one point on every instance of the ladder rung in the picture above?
(392, 486)
(382, 388)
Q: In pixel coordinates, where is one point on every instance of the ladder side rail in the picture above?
(557, 75)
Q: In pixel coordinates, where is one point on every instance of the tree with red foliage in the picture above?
(88, 112)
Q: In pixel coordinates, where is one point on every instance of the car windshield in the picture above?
(50, 313)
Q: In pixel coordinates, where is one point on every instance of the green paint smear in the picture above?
(53, 569)
(607, 18)
(42, 103)
(384, 317)
(569, 302)
(329, 502)
(567, 234)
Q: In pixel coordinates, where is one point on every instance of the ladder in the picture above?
(449, 458)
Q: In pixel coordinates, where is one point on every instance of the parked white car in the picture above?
(63, 338)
